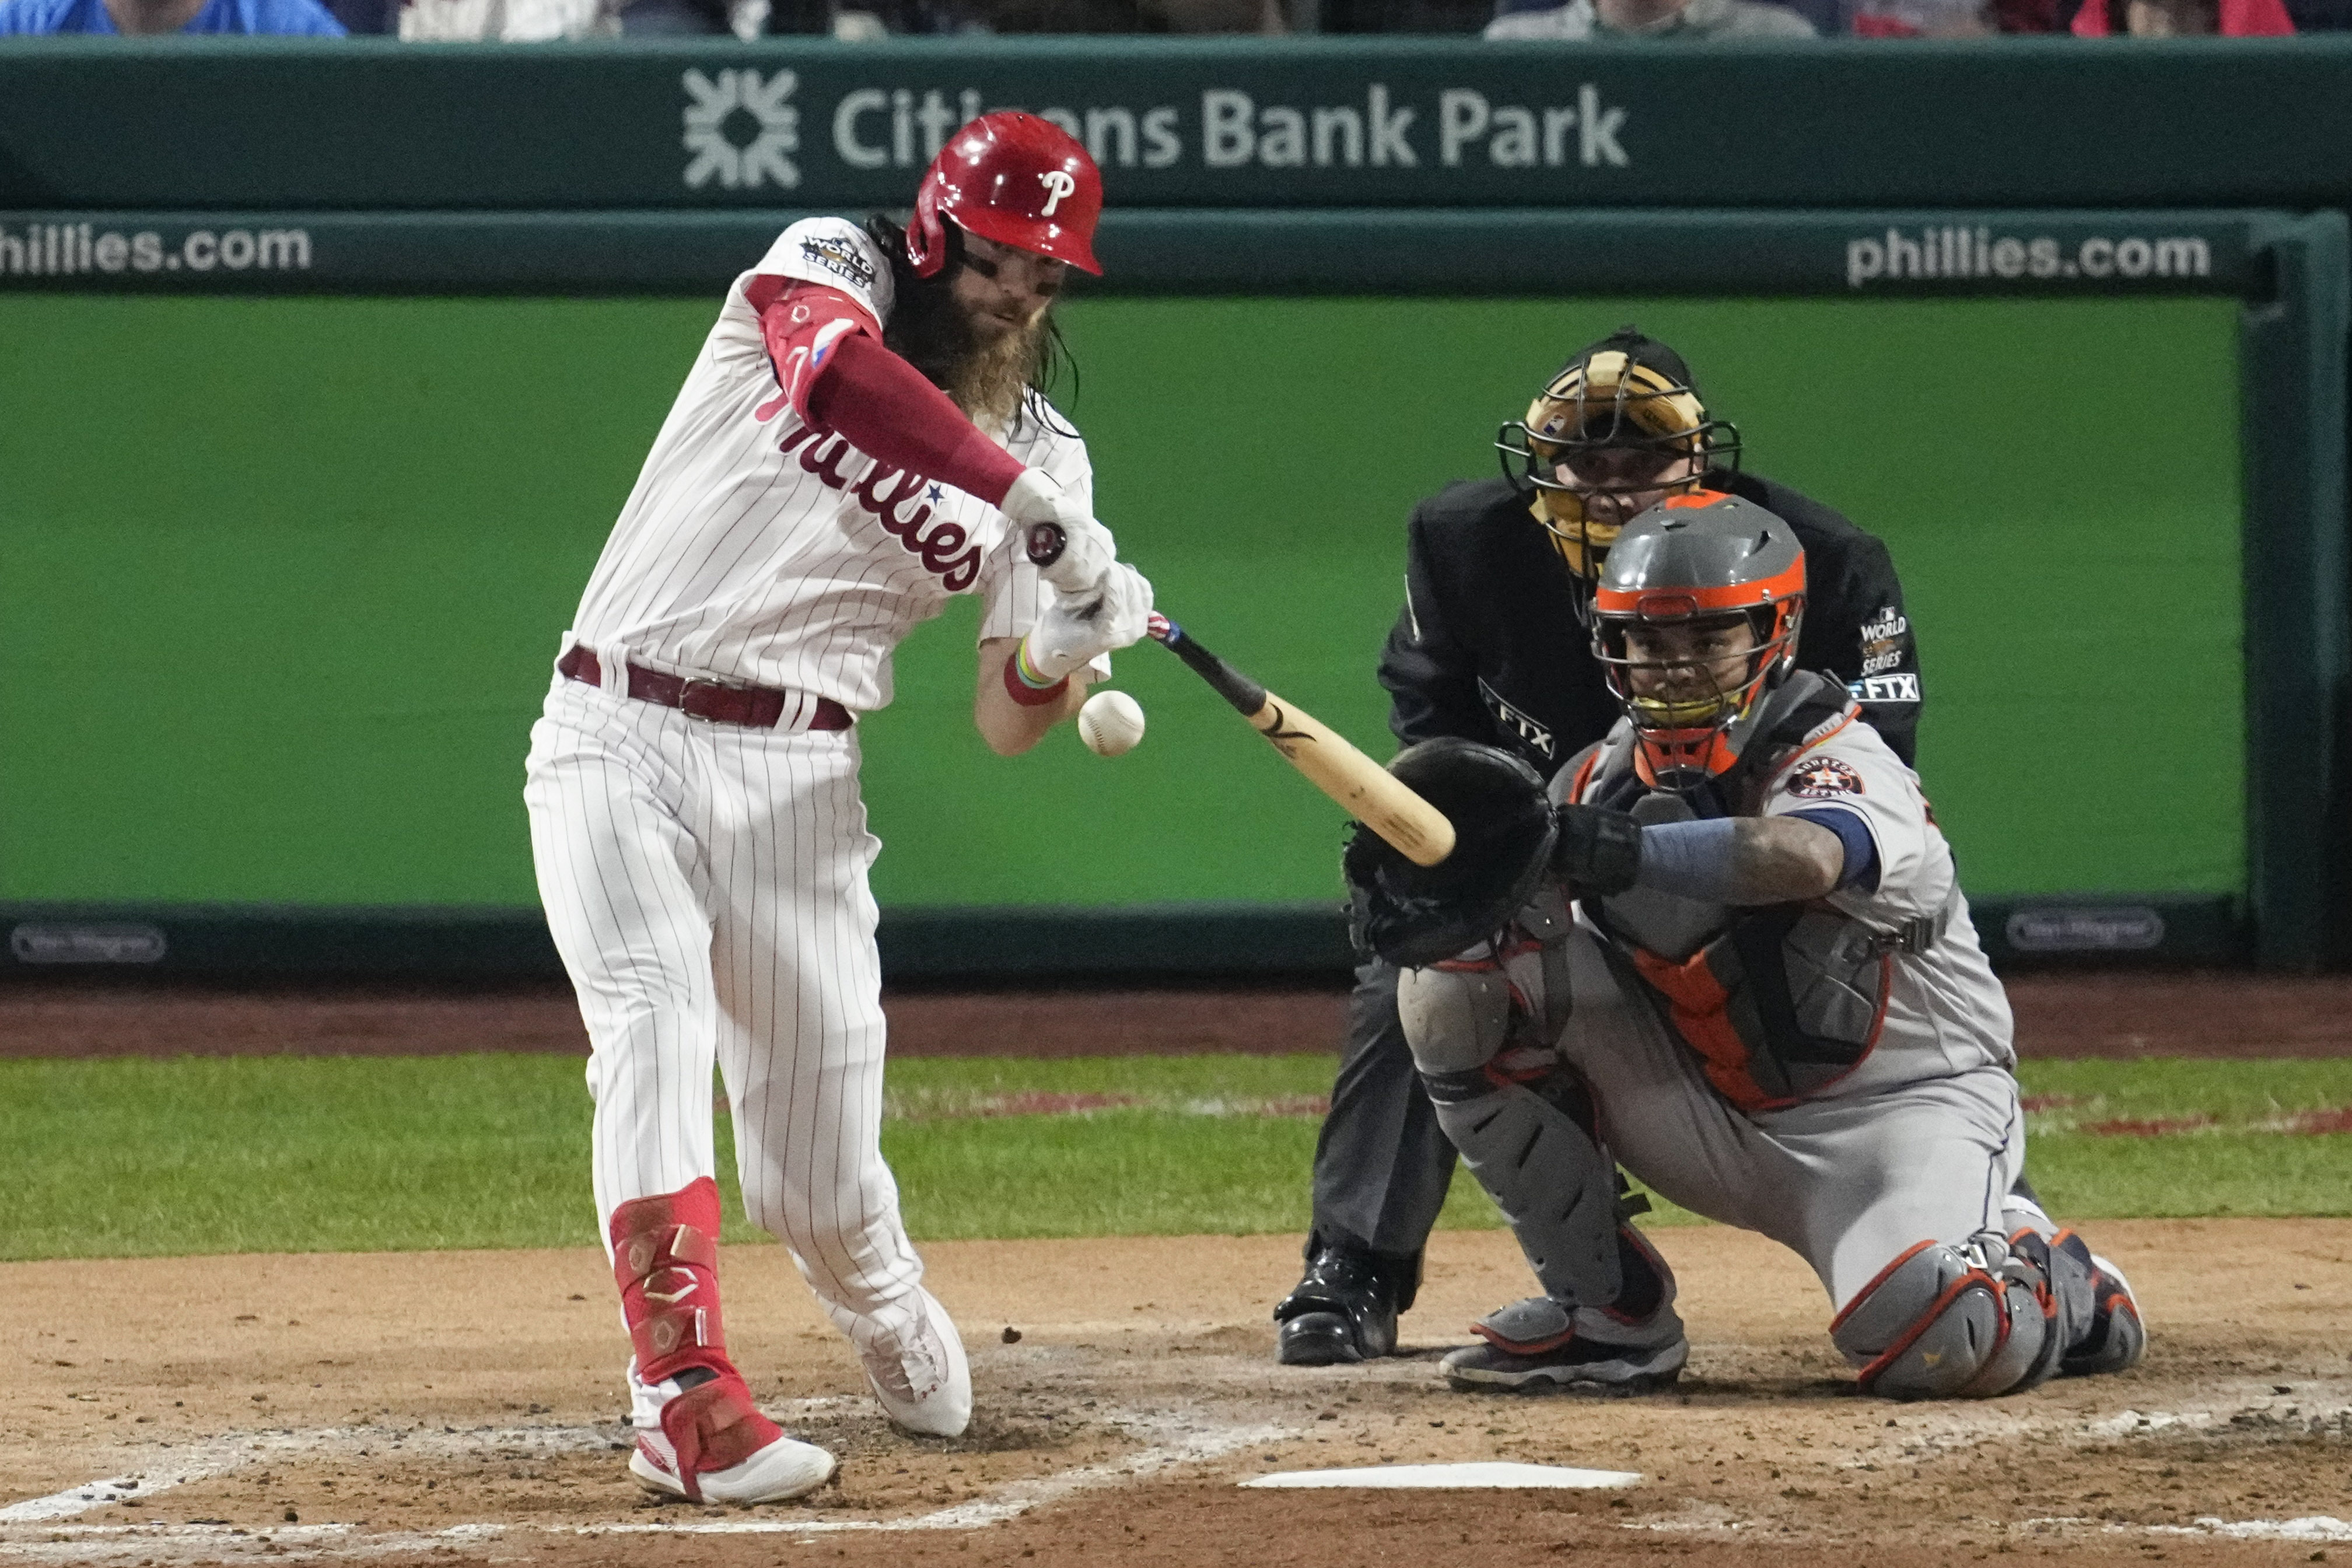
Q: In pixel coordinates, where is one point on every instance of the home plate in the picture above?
(1491, 1473)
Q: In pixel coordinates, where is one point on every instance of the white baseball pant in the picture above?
(706, 884)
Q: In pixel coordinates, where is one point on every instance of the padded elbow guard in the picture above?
(1955, 1323)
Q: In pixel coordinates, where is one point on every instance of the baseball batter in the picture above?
(1738, 960)
(862, 436)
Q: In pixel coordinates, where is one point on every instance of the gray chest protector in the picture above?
(1779, 1001)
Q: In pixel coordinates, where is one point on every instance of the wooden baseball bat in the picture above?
(1365, 790)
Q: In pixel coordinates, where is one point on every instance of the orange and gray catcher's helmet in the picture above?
(1705, 563)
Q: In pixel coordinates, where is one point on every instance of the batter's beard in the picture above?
(989, 379)
(986, 379)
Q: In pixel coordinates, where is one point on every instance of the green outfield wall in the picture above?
(283, 578)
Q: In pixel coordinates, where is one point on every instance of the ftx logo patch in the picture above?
(1536, 736)
(1884, 688)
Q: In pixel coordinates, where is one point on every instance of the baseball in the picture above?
(1110, 723)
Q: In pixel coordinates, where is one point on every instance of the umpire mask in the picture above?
(1621, 427)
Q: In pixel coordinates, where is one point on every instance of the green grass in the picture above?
(148, 1158)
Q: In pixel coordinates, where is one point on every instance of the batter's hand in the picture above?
(1088, 550)
(1113, 613)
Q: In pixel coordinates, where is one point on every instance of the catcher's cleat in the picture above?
(916, 1365)
(2117, 1338)
(1540, 1345)
(713, 1446)
(1344, 1310)
(1586, 1363)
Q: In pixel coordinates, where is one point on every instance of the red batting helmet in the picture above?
(1013, 178)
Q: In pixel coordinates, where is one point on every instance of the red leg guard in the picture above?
(666, 1261)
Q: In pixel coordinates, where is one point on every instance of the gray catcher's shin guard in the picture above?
(1540, 1165)
(1955, 1322)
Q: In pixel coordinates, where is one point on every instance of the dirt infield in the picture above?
(2118, 1013)
(462, 1406)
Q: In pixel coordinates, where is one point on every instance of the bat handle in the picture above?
(1045, 543)
(1248, 696)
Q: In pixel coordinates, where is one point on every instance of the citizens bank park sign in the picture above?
(270, 124)
(743, 129)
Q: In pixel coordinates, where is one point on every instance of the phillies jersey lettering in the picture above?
(945, 550)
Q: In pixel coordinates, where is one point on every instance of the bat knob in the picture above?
(1045, 543)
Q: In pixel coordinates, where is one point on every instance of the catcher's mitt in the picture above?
(1504, 834)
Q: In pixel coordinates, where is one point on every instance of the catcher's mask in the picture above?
(1694, 620)
(1504, 832)
(1620, 422)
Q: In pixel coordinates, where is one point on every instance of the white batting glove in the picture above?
(1076, 627)
(1038, 496)
(1088, 550)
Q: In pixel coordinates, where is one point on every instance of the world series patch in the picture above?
(1823, 777)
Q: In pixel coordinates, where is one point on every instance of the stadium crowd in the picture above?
(1695, 21)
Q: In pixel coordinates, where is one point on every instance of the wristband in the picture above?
(1027, 689)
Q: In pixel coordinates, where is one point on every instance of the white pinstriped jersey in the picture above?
(758, 552)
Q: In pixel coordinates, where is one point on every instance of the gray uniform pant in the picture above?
(1383, 1165)
(1847, 1184)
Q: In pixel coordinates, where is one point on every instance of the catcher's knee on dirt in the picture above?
(1539, 1161)
(1943, 1321)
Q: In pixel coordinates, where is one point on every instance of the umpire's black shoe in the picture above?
(1345, 1309)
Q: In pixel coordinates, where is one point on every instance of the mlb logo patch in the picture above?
(1823, 777)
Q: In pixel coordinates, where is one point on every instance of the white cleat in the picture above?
(784, 1469)
(914, 1363)
(712, 1445)
(779, 1472)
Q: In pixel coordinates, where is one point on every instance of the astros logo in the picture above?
(1824, 777)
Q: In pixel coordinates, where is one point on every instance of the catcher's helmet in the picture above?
(1013, 178)
(1622, 418)
(1504, 832)
(1682, 580)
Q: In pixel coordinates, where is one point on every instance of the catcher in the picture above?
(1730, 951)
(1488, 646)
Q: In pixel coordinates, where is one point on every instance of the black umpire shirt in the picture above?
(1488, 646)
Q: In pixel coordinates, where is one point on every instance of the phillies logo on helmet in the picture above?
(987, 178)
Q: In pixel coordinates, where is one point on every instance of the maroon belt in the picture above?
(758, 706)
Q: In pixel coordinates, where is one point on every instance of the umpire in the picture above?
(1491, 645)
